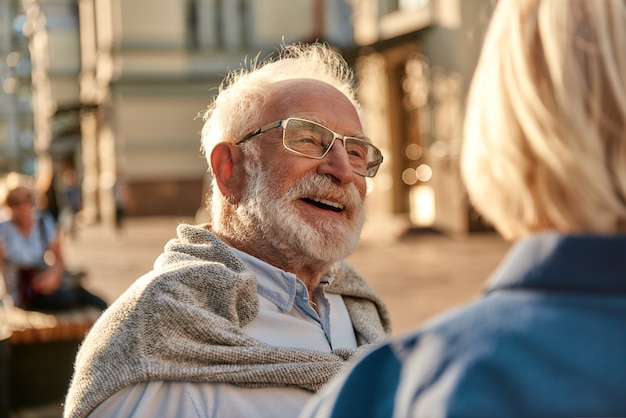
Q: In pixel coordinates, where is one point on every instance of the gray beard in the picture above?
(275, 222)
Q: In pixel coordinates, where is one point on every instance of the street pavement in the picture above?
(419, 275)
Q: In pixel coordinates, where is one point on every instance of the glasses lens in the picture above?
(313, 140)
(364, 157)
(307, 138)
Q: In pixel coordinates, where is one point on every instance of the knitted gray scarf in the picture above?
(183, 322)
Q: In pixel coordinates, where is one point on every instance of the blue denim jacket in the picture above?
(548, 339)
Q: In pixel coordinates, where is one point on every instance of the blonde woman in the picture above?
(544, 159)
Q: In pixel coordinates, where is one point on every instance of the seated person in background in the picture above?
(31, 259)
(544, 159)
(249, 315)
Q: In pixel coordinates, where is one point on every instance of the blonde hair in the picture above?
(237, 108)
(545, 130)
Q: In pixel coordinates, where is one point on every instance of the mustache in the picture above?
(318, 186)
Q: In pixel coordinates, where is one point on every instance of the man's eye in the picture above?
(306, 139)
(357, 151)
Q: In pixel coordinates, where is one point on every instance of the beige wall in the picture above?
(153, 22)
(64, 51)
(159, 136)
(158, 146)
(65, 91)
(277, 18)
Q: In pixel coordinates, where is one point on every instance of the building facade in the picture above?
(16, 109)
(415, 60)
(39, 103)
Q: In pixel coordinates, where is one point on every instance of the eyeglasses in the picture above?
(313, 140)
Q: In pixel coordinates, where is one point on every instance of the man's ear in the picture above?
(227, 166)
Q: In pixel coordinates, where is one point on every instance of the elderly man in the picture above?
(249, 315)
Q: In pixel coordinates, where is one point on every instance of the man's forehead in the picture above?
(310, 99)
(297, 89)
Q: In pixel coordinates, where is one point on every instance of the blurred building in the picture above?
(39, 100)
(415, 60)
(16, 111)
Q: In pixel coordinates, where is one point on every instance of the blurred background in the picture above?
(105, 95)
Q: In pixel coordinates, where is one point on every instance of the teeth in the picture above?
(327, 203)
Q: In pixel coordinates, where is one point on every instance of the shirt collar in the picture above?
(582, 263)
(276, 285)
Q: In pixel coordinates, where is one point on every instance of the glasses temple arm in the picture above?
(259, 131)
(247, 137)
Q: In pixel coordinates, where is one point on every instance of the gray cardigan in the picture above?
(183, 321)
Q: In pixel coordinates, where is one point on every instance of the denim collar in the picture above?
(576, 263)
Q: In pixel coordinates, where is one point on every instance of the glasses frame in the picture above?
(370, 171)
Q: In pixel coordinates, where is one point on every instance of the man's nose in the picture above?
(337, 164)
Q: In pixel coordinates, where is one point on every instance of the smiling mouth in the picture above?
(324, 204)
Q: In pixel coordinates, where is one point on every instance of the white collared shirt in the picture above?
(285, 319)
